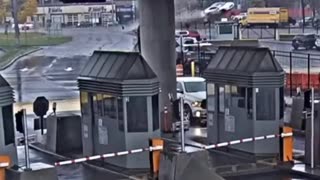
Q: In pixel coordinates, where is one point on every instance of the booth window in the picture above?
(7, 117)
(109, 106)
(211, 97)
(120, 114)
(84, 103)
(265, 99)
(221, 99)
(225, 29)
(250, 103)
(155, 112)
(137, 114)
(238, 97)
(282, 108)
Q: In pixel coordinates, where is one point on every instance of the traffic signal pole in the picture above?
(26, 141)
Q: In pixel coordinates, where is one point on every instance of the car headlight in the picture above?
(196, 104)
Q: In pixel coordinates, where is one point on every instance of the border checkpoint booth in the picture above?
(7, 132)
(245, 98)
(120, 106)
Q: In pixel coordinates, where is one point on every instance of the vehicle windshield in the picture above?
(195, 86)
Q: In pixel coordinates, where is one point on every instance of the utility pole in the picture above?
(14, 9)
(303, 15)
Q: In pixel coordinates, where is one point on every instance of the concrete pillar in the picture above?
(157, 34)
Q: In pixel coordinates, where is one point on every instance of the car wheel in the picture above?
(295, 46)
(308, 47)
(318, 48)
(188, 114)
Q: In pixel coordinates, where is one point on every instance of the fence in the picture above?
(208, 30)
(302, 69)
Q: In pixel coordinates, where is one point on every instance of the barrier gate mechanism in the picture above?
(159, 148)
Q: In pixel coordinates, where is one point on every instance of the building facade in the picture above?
(76, 14)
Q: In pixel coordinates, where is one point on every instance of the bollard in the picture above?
(192, 69)
(4, 163)
(155, 156)
(286, 145)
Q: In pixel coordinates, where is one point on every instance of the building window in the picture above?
(7, 117)
(265, 104)
(137, 114)
(155, 112)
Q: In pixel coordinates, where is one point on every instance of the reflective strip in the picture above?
(137, 151)
(223, 144)
(235, 142)
(65, 163)
(122, 153)
(211, 146)
(247, 140)
(287, 134)
(259, 138)
(94, 157)
(271, 136)
(4, 164)
(108, 155)
(157, 148)
(80, 160)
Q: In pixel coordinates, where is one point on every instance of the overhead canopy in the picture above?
(118, 73)
(6, 93)
(245, 66)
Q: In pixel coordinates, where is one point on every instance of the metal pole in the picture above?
(199, 58)
(303, 15)
(113, 11)
(210, 30)
(25, 126)
(312, 127)
(181, 51)
(182, 123)
(309, 71)
(290, 74)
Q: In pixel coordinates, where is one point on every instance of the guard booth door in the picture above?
(235, 110)
(106, 137)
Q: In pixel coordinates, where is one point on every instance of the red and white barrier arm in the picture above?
(109, 155)
(259, 138)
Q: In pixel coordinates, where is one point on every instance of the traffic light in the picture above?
(19, 121)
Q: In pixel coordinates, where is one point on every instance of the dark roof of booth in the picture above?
(6, 92)
(118, 72)
(106, 65)
(3, 82)
(249, 66)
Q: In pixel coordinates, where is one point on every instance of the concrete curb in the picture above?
(18, 57)
(84, 163)
(274, 41)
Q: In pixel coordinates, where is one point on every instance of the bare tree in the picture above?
(15, 8)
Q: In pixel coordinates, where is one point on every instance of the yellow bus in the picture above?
(266, 16)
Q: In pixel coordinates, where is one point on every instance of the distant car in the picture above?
(304, 40)
(25, 26)
(182, 33)
(239, 17)
(195, 34)
(307, 22)
(317, 43)
(193, 90)
(218, 7)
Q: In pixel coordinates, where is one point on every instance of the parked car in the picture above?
(25, 26)
(317, 43)
(307, 22)
(193, 89)
(194, 34)
(182, 33)
(304, 40)
(218, 7)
